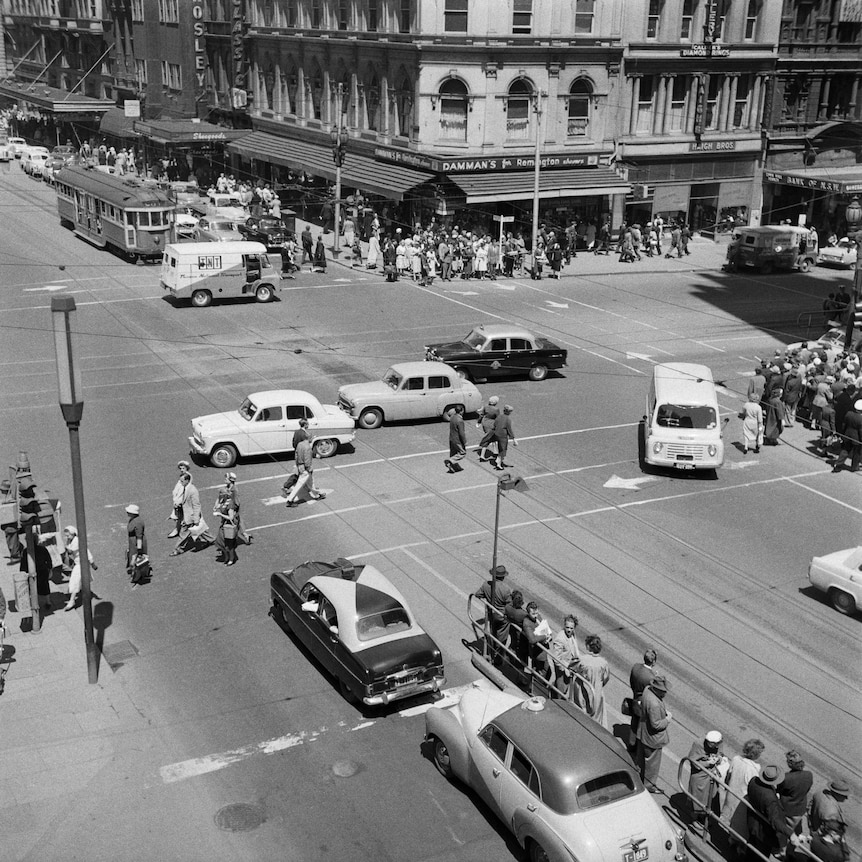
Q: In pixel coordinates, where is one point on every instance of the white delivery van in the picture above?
(682, 427)
(203, 271)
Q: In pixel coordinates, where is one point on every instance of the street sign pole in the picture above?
(503, 219)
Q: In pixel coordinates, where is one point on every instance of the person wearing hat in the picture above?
(137, 563)
(707, 763)
(851, 439)
(486, 417)
(767, 828)
(826, 805)
(457, 439)
(177, 499)
(497, 595)
(10, 528)
(227, 512)
(503, 434)
(652, 732)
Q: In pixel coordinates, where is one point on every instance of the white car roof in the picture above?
(188, 248)
(502, 330)
(410, 369)
(280, 396)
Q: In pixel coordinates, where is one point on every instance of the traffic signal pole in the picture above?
(854, 317)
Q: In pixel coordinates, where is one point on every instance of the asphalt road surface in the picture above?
(711, 571)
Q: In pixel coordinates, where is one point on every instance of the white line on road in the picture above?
(435, 573)
(704, 344)
(826, 496)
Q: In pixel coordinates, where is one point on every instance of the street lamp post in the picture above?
(853, 217)
(537, 108)
(338, 158)
(506, 482)
(72, 405)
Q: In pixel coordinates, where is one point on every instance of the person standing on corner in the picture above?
(307, 245)
(652, 732)
(457, 439)
(137, 567)
(767, 832)
(707, 763)
(640, 677)
(319, 256)
(190, 530)
(503, 434)
(70, 535)
(497, 597)
(487, 416)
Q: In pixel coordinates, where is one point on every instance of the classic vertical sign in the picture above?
(237, 32)
(200, 51)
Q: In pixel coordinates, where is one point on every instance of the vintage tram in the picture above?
(123, 212)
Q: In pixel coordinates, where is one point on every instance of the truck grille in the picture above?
(691, 453)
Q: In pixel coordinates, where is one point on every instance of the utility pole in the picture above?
(338, 157)
(537, 98)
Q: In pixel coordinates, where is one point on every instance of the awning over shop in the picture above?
(362, 172)
(115, 122)
(568, 183)
(53, 100)
(187, 133)
(842, 180)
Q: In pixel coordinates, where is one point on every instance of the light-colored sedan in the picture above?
(34, 160)
(264, 424)
(409, 390)
(560, 782)
(843, 254)
(185, 222)
(217, 230)
(839, 575)
(831, 342)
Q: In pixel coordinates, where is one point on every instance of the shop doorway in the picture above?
(703, 208)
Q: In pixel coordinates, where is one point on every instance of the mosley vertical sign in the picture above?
(237, 34)
(200, 51)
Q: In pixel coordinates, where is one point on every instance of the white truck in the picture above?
(203, 271)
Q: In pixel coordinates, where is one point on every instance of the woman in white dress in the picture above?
(401, 256)
(743, 767)
(481, 259)
(373, 252)
(752, 427)
(70, 536)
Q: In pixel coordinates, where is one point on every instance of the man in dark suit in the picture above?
(652, 732)
(640, 677)
(851, 439)
(767, 828)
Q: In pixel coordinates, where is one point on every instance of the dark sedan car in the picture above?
(358, 626)
(499, 351)
(266, 229)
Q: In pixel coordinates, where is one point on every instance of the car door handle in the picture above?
(531, 806)
(495, 773)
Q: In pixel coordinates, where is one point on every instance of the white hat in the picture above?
(133, 509)
(714, 737)
(816, 360)
(858, 405)
(494, 399)
(230, 476)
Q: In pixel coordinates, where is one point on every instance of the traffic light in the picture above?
(338, 151)
(857, 312)
(29, 507)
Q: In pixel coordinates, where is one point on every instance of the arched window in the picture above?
(315, 90)
(518, 110)
(405, 107)
(372, 104)
(453, 110)
(579, 108)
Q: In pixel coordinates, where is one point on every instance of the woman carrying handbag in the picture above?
(227, 511)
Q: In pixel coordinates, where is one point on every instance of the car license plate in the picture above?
(407, 679)
(639, 855)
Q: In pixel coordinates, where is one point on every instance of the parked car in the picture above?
(185, 193)
(264, 423)
(408, 390)
(839, 575)
(266, 229)
(225, 206)
(772, 247)
(217, 230)
(831, 343)
(6, 154)
(358, 626)
(494, 350)
(561, 783)
(17, 146)
(185, 222)
(843, 254)
(33, 160)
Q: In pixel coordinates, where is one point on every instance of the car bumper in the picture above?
(386, 697)
(197, 448)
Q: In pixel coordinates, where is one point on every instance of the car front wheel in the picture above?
(371, 418)
(462, 372)
(223, 456)
(201, 298)
(441, 758)
(805, 265)
(538, 853)
(538, 372)
(263, 293)
(842, 602)
(325, 448)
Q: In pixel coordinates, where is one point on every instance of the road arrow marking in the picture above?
(740, 465)
(557, 304)
(462, 292)
(645, 357)
(503, 286)
(628, 484)
(51, 287)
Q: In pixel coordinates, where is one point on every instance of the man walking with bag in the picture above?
(652, 732)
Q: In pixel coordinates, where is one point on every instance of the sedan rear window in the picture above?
(604, 789)
(385, 623)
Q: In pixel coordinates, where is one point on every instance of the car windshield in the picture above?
(685, 416)
(247, 410)
(392, 378)
(221, 225)
(604, 789)
(475, 339)
(388, 622)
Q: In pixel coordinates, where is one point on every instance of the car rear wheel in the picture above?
(841, 601)
(201, 298)
(223, 456)
(278, 614)
(538, 372)
(325, 448)
(462, 372)
(441, 758)
(805, 265)
(538, 853)
(767, 267)
(263, 293)
(370, 418)
(347, 692)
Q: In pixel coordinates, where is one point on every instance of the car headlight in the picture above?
(712, 449)
(657, 447)
(778, 248)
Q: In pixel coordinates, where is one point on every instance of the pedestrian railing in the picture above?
(528, 677)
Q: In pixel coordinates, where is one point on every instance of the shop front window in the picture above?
(453, 110)
(518, 111)
(579, 109)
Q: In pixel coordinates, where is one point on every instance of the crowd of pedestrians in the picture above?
(811, 385)
(494, 421)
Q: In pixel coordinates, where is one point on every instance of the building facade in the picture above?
(814, 156)
(696, 83)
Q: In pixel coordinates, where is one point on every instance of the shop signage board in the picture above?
(816, 183)
(484, 164)
(711, 146)
(704, 49)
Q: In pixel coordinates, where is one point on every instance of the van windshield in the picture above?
(685, 416)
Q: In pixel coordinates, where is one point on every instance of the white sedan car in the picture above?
(839, 575)
(265, 423)
(843, 254)
(831, 342)
(560, 782)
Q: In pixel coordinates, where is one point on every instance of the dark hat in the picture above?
(839, 788)
(498, 572)
(772, 775)
(26, 484)
(5, 485)
(659, 684)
